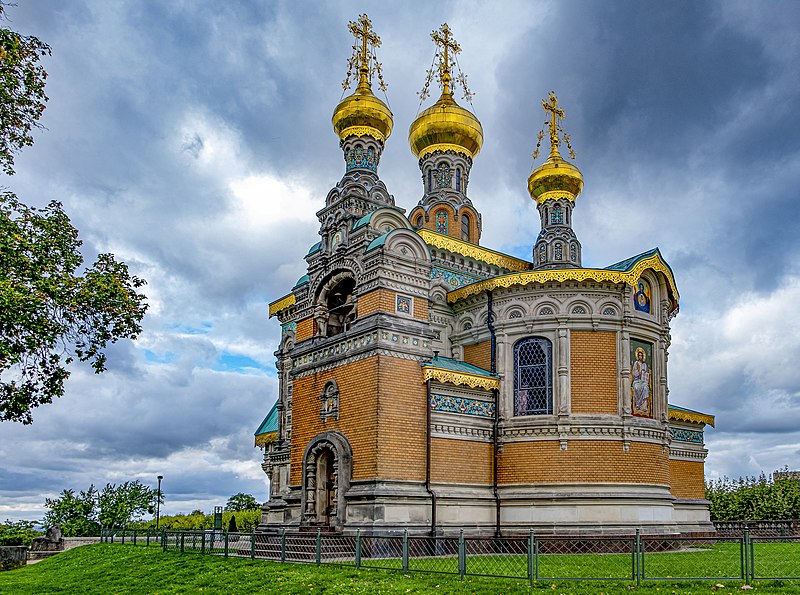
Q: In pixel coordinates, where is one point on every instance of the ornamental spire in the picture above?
(445, 64)
(364, 60)
(553, 125)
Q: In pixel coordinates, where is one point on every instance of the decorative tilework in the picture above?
(288, 327)
(557, 216)
(404, 304)
(449, 404)
(359, 158)
(453, 279)
(441, 222)
(683, 435)
(443, 176)
(558, 253)
(573, 253)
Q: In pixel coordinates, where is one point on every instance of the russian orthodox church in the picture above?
(429, 383)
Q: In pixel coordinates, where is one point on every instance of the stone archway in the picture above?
(327, 467)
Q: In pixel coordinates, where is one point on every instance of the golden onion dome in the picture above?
(446, 126)
(555, 179)
(362, 114)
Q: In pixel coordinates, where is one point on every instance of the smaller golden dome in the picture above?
(555, 179)
(362, 114)
(446, 126)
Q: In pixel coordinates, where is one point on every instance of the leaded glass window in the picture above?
(558, 251)
(458, 179)
(557, 217)
(573, 252)
(441, 222)
(464, 226)
(533, 377)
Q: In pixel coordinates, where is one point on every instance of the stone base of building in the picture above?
(391, 507)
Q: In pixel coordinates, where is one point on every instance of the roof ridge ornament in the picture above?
(364, 60)
(553, 125)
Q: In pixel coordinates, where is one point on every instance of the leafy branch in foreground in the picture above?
(49, 315)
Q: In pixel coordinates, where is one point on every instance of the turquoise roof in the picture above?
(315, 248)
(671, 406)
(363, 221)
(628, 263)
(447, 363)
(379, 241)
(301, 281)
(270, 423)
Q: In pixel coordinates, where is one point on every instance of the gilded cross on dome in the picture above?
(556, 113)
(446, 49)
(363, 58)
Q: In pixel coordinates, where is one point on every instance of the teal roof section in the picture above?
(315, 248)
(671, 406)
(379, 241)
(368, 217)
(628, 263)
(301, 281)
(270, 423)
(447, 363)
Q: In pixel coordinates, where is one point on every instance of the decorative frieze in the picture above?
(684, 435)
(451, 404)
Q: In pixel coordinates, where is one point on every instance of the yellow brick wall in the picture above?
(401, 406)
(358, 411)
(479, 354)
(593, 372)
(420, 308)
(687, 479)
(377, 300)
(461, 461)
(304, 329)
(590, 461)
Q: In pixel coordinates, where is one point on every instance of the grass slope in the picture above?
(109, 568)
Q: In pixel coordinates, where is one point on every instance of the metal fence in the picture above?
(632, 558)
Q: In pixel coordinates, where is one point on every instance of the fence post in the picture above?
(164, 539)
(405, 550)
(358, 548)
(530, 557)
(134, 537)
(748, 559)
(283, 544)
(462, 555)
(147, 538)
(226, 544)
(182, 540)
(638, 567)
(123, 536)
(319, 547)
(202, 542)
(252, 543)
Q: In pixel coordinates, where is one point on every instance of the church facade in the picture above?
(429, 383)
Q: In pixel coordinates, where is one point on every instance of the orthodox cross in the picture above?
(444, 38)
(363, 57)
(550, 105)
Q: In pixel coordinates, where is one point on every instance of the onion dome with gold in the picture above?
(362, 113)
(555, 178)
(445, 126)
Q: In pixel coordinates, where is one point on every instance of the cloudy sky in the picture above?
(194, 141)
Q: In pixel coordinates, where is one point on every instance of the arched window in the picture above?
(458, 179)
(464, 226)
(430, 180)
(533, 377)
(558, 252)
(418, 222)
(441, 222)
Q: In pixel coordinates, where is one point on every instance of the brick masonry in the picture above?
(687, 479)
(593, 372)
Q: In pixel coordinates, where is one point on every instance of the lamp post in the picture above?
(158, 501)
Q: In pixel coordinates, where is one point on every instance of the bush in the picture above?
(245, 521)
(754, 499)
(18, 533)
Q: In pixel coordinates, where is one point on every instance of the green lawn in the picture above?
(111, 568)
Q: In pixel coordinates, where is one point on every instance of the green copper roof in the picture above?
(301, 281)
(379, 241)
(628, 263)
(446, 363)
(270, 423)
(315, 248)
(368, 217)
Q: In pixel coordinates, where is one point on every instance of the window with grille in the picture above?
(533, 377)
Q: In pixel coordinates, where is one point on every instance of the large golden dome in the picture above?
(555, 179)
(446, 126)
(362, 114)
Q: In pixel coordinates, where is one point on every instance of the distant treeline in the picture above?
(245, 521)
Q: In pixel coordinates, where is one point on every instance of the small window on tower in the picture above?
(464, 226)
(557, 217)
(458, 179)
(430, 180)
(441, 222)
(558, 251)
(418, 222)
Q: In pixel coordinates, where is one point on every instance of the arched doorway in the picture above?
(327, 465)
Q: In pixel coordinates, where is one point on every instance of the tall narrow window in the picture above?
(458, 179)
(441, 222)
(418, 222)
(430, 180)
(464, 226)
(533, 377)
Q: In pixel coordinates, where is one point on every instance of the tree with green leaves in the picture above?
(22, 97)
(50, 312)
(75, 513)
(241, 501)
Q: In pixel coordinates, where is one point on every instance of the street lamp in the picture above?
(158, 501)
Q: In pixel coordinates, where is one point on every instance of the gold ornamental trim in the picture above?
(266, 438)
(429, 150)
(362, 131)
(560, 275)
(459, 378)
(281, 304)
(555, 195)
(691, 417)
(438, 240)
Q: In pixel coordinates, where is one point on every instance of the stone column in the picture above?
(564, 405)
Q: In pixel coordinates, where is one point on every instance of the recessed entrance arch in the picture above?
(327, 468)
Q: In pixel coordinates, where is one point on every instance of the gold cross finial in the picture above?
(550, 105)
(446, 49)
(443, 38)
(363, 58)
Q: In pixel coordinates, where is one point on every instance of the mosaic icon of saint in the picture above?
(640, 375)
(641, 299)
